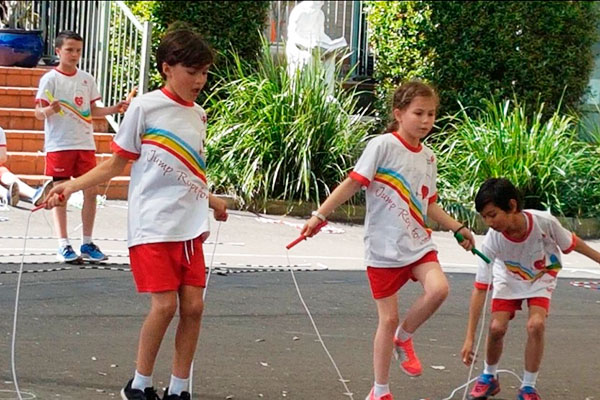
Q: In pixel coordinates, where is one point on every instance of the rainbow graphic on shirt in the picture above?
(85, 115)
(396, 182)
(527, 275)
(174, 145)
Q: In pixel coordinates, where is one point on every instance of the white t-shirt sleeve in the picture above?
(2, 138)
(565, 239)
(366, 166)
(47, 83)
(128, 141)
(433, 184)
(483, 278)
(94, 93)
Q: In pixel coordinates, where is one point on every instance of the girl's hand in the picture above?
(467, 352)
(469, 240)
(309, 227)
(54, 199)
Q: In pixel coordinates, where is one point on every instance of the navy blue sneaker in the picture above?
(66, 254)
(128, 393)
(91, 252)
(183, 396)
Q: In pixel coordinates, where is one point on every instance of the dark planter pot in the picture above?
(20, 47)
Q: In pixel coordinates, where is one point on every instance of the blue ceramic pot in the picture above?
(20, 48)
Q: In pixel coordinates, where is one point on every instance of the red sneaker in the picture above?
(485, 386)
(528, 393)
(405, 353)
(371, 396)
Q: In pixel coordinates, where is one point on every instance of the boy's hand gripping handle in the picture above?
(61, 197)
(460, 238)
(302, 237)
(51, 98)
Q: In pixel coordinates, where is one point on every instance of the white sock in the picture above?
(529, 378)
(62, 242)
(178, 385)
(490, 369)
(141, 382)
(380, 390)
(402, 334)
(87, 239)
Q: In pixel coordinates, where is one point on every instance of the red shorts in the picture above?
(162, 267)
(69, 163)
(385, 282)
(512, 305)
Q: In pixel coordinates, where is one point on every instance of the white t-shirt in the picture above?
(76, 93)
(400, 181)
(2, 138)
(168, 195)
(528, 267)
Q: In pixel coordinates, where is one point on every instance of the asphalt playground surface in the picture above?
(78, 328)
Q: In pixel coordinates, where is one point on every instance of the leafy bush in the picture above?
(543, 158)
(273, 137)
(225, 25)
(473, 50)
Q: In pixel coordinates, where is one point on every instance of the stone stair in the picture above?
(25, 134)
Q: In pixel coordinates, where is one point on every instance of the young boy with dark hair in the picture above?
(163, 132)
(524, 246)
(66, 102)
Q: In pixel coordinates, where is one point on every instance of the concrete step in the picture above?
(17, 97)
(24, 119)
(33, 163)
(33, 141)
(117, 187)
(23, 77)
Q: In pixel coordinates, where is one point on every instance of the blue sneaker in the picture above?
(91, 252)
(67, 254)
(528, 393)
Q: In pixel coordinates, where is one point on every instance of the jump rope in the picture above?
(347, 392)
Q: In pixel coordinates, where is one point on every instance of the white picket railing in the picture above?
(116, 47)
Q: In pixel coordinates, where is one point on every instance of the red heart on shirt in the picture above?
(424, 191)
(79, 101)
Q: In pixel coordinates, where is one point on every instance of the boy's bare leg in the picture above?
(162, 309)
(495, 342)
(534, 350)
(383, 344)
(60, 221)
(88, 212)
(435, 291)
(191, 307)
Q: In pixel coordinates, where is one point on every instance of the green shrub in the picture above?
(272, 137)
(473, 50)
(543, 158)
(225, 25)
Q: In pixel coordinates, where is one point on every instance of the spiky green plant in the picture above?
(542, 157)
(275, 137)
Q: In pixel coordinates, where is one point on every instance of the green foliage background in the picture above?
(473, 50)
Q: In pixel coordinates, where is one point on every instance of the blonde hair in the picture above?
(405, 94)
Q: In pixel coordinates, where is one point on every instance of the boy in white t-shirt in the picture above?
(12, 189)
(163, 132)
(524, 247)
(66, 102)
